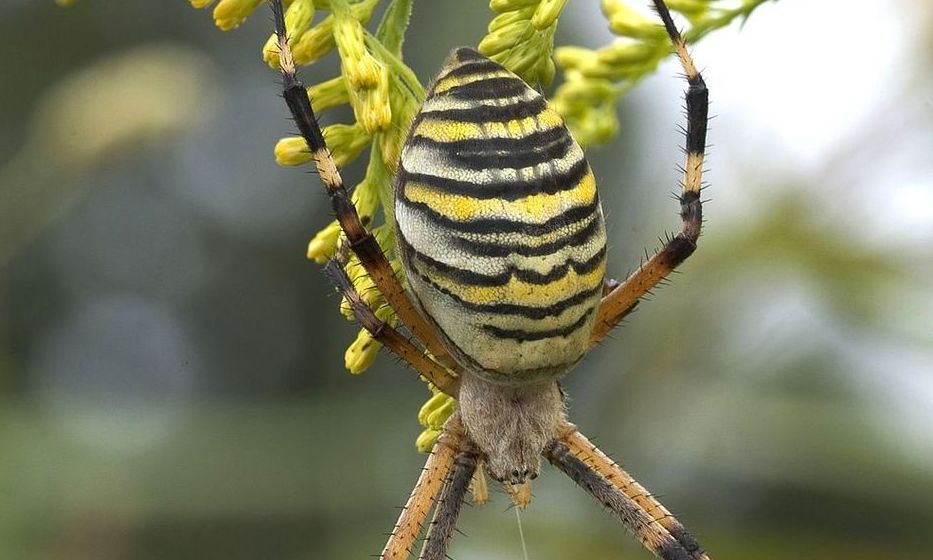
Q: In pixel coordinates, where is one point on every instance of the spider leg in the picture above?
(425, 494)
(360, 239)
(623, 298)
(388, 336)
(628, 500)
(448, 506)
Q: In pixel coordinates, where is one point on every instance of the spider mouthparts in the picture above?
(520, 493)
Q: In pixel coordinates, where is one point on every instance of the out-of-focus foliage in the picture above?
(170, 367)
(145, 94)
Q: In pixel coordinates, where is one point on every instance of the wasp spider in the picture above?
(503, 245)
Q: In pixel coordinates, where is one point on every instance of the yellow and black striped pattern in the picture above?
(499, 224)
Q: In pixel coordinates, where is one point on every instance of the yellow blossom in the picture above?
(521, 38)
(291, 151)
(500, 6)
(547, 13)
(324, 244)
(330, 93)
(371, 106)
(298, 18)
(432, 416)
(363, 351)
(319, 40)
(367, 79)
(625, 21)
(426, 440)
(231, 13)
(345, 142)
(363, 285)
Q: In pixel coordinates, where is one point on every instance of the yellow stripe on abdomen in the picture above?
(533, 208)
(521, 292)
(444, 130)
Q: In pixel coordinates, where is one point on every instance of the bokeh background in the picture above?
(171, 380)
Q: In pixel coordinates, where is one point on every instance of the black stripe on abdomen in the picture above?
(503, 225)
(489, 113)
(525, 311)
(528, 335)
(499, 249)
(465, 277)
(512, 189)
(502, 153)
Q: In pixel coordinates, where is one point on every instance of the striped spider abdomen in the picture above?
(499, 224)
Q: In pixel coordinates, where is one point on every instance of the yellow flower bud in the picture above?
(356, 273)
(348, 33)
(328, 94)
(361, 70)
(626, 53)
(522, 39)
(361, 353)
(371, 106)
(366, 199)
(436, 418)
(547, 13)
(345, 142)
(432, 415)
(324, 243)
(319, 40)
(505, 32)
(512, 22)
(599, 125)
(228, 14)
(291, 151)
(500, 6)
(625, 21)
(346, 309)
(313, 44)
(426, 440)
(386, 314)
(574, 57)
(436, 401)
(364, 286)
(298, 18)
(66, 3)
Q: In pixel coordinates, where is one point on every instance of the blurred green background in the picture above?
(171, 380)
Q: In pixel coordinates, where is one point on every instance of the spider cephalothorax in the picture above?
(503, 245)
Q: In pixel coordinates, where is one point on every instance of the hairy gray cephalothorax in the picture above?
(511, 424)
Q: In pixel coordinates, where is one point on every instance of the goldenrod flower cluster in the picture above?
(521, 37)
(432, 416)
(595, 80)
(385, 94)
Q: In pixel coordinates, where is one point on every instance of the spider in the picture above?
(503, 245)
